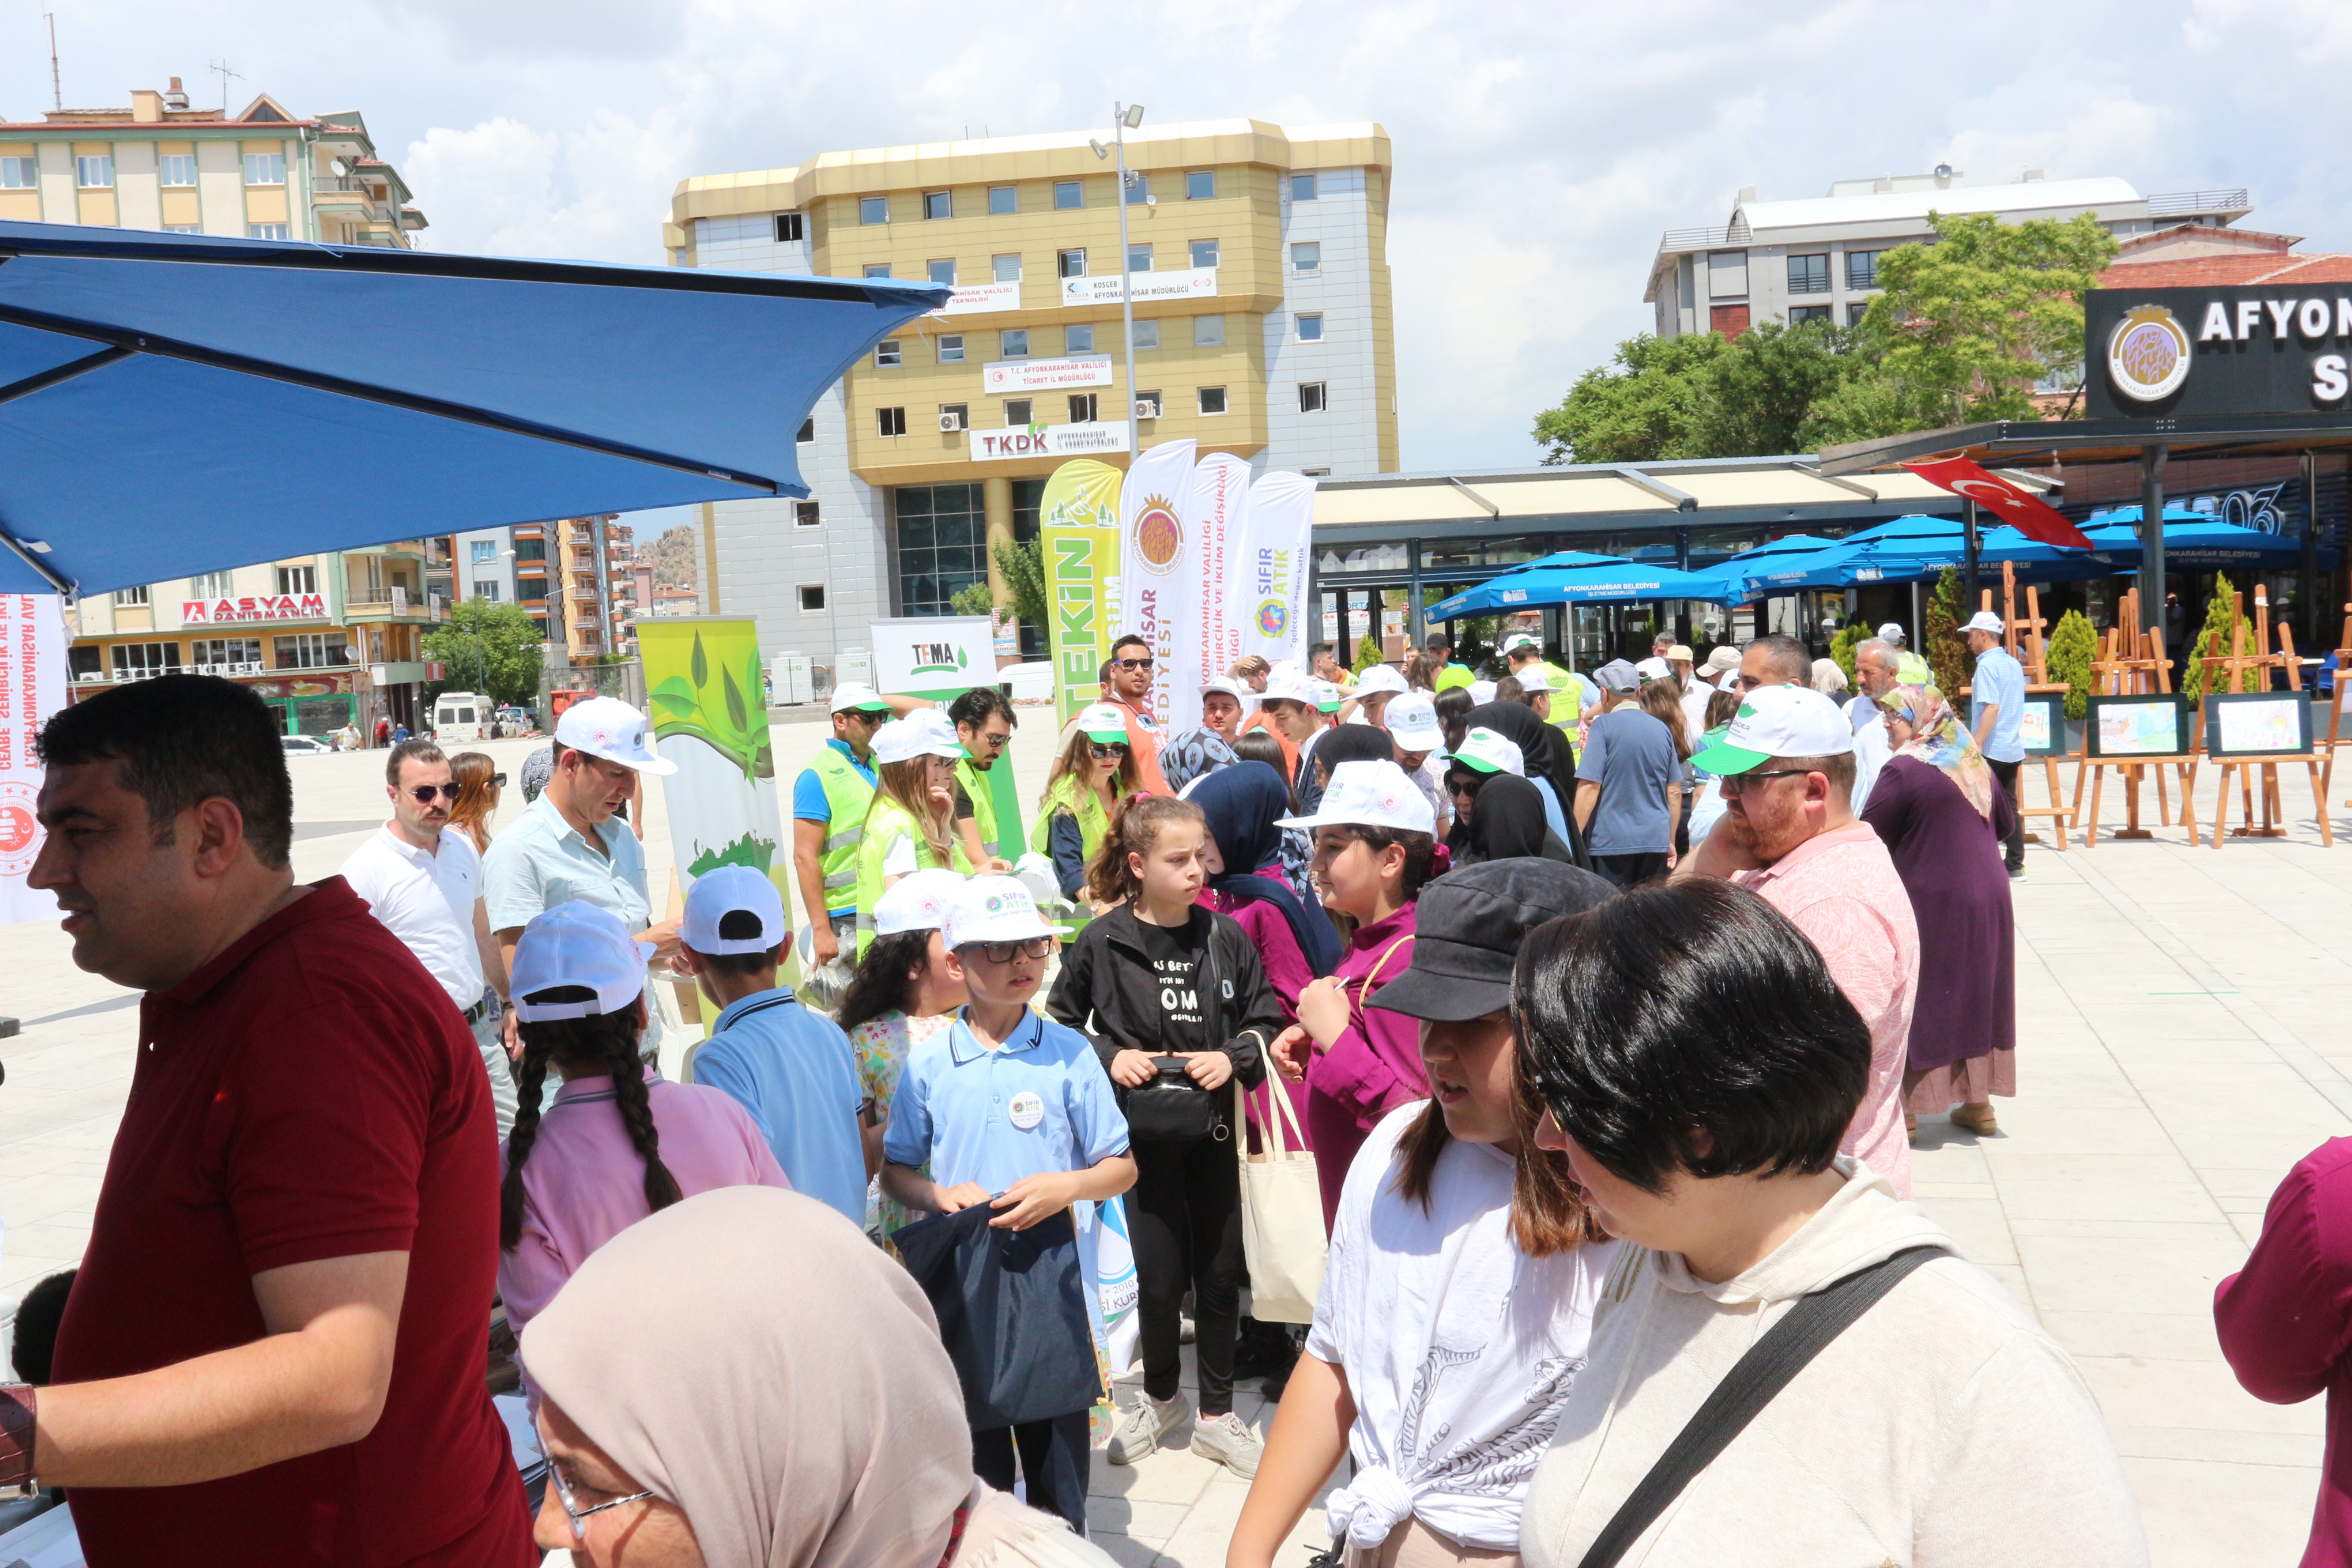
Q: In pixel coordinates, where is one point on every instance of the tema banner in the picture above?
(32, 687)
(1271, 561)
(938, 657)
(1077, 519)
(1158, 587)
(704, 695)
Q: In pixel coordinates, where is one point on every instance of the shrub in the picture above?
(1842, 649)
(2073, 645)
(1368, 653)
(2212, 642)
(1947, 653)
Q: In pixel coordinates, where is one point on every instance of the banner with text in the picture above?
(1004, 376)
(1194, 283)
(32, 687)
(1048, 441)
(975, 298)
(1159, 593)
(1078, 527)
(1270, 576)
(704, 693)
(1215, 519)
(933, 657)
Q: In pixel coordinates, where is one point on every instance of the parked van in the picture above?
(459, 717)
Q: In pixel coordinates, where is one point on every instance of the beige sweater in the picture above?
(1945, 1429)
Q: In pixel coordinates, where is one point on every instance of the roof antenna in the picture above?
(56, 88)
(222, 67)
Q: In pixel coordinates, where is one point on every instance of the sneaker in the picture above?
(1228, 1440)
(1143, 1425)
(1184, 1331)
(2017, 873)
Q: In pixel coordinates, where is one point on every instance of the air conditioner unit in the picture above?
(1147, 408)
(950, 421)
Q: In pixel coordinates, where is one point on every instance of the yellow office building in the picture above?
(1257, 258)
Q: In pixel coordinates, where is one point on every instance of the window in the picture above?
(1147, 335)
(1003, 200)
(886, 355)
(1208, 332)
(525, 550)
(1862, 269)
(1302, 187)
(265, 168)
(1016, 413)
(1073, 263)
(176, 168)
(266, 231)
(1013, 343)
(791, 228)
(134, 660)
(486, 588)
(309, 651)
(1314, 396)
(1726, 274)
(890, 421)
(806, 515)
(941, 271)
(85, 663)
(484, 550)
(131, 595)
(1204, 253)
(1800, 314)
(210, 586)
(1139, 188)
(1138, 258)
(873, 210)
(305, 579)
(942, 545)
(95, 172)
(952, 349)
(1307, 257)
(1856, 312)
(1200, 186)
(960, 412)
(1213, 399)
(224, 650)
(1005, 268)
(939, 203)
(811, 596)
(16, 173)
(808, 430)
(1082, 408)
(1810, 274)
(877, 269)
(1310, 327)
(1314, 473)
(1068, 193)
(181, 228)
(1078, 339)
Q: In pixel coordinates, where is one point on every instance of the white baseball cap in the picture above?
(925, 732)
(1287, 684)
(1778, 721)
(855, 696)
(993, 908)
(725, 891)
(1370, 795)
(1229, 685)
(1103, 723)
(609, 728)
(1522, 639)
(916, 902)
(1490, 752)
(1412, 721)
(1986, 621)
(1326, 696)
(1891, 632)
(1380, 677)
(1533, 679)
(576, 943)
(1482, 692)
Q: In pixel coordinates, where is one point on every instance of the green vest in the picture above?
(884, 822)
(981, 788)
(847, 798)
(1080, 802)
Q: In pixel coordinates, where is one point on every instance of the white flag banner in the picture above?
(1269, 576)
(1158, 596)
(1215, 514)
(32, 687)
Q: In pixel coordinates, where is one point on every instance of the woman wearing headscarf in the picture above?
(1193, 757)
(1507, 822)
(1548, 761)
(1937, 806)
(809, 1419)
(1339, 744)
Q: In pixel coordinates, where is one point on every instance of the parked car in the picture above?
(304, 745)
(1027, 682)
(460, 718)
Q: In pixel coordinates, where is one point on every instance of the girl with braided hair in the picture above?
(617, 1141)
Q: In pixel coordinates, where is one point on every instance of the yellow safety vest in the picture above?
(847, 798)
(981, 788)
(1070, 796)
(883, 823)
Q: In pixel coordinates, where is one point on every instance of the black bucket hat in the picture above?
(1467, 930)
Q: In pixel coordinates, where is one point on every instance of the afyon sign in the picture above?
(2212, 353)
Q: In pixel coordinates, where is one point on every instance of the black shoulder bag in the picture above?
(1170, 1108)
(1787, 1347)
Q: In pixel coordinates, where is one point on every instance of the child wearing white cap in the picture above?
(788, 1066)
(617, 1141)
(1095, 773)
(1412, 724)
(910, 825)
(900, 995)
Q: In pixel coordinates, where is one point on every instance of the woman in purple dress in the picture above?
(1943, 817)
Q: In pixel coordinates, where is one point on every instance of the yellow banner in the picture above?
(1078, 526)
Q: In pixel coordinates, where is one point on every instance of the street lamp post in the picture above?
(1124, 117)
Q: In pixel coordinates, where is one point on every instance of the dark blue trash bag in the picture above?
(1013, 1313)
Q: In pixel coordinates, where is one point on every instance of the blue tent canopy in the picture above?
(1574, 577)
(2196, 541)
(176, 403)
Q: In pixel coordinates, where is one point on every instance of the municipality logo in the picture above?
(1273, 619)
(1158, 537)
(2147, 354)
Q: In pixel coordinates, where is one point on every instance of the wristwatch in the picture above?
(16, 1402)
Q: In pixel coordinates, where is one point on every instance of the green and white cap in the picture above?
(1778, 721)
(1491, 752)
(1326, 696)
(1103, 723)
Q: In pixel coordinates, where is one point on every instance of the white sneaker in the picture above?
(1229, 1441)
(1143, 1425)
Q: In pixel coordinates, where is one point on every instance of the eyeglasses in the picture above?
(424, 793)
(500, 780)
(1002, 952)
(1107, 748)
(1733, 784)
(864, 715)
(572, 1509)
(1132, 664)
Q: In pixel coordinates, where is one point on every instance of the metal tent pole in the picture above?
(2151, 538)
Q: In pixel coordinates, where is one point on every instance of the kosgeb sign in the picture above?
(2214, 353)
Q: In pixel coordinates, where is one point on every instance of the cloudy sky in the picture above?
(1540, 149)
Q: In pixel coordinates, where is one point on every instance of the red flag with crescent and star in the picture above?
(2028, 514)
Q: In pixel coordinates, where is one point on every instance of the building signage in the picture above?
(1048, 441)
(933, 656)
(980, 297)
(1004, 375)
(2214, 353)
(1192, 283)
(256, 607)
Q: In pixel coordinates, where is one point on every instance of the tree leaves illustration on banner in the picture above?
(733, 726)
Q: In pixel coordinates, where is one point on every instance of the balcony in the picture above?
(2191, 204)
(1704, 238)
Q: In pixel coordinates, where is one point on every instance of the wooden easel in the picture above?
(2339, 689)
(2034, 656)
(2248, 666)
(2131, 664)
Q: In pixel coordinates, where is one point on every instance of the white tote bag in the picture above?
(1282, 1212)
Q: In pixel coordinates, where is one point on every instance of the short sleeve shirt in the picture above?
(1999, 677)
(1039, 1103)
(542, 861)
(792, 1069)
(427, 901)
(1631, 755)
(808, 802)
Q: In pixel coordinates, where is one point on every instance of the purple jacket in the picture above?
(1371, 1068)
(1286, 970)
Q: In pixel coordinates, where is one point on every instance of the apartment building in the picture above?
(263, 174)
(1258, 256)
(1816, 258)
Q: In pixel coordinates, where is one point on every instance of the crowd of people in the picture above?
(1606, 1008)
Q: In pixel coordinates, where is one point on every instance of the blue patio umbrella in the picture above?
(1754, 573)
(177, 404)
(1575, 578)
(2196, 541)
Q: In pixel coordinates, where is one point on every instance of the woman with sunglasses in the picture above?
(1093, 776)
(478, 784)
(911, 822)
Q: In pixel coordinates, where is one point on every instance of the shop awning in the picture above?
(1572, 577)
(178, 403)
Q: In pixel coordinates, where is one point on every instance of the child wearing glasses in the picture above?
(1093, 776)
(1008, 1108)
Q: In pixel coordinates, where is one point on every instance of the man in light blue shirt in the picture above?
(1996, 703)
(790, 1068)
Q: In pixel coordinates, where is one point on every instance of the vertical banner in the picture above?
(1271, 569)
(1078, 518)
(1158, 592)
(702, 692)
(1209, 634)
(32, 687)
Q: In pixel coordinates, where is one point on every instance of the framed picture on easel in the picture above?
(2258, 725)
(2041, 725)
(2143, 725)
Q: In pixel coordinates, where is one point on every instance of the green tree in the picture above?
(1946, 651)
(1368, 653)
(2073, 642)
(1022, 564)
(1760, 392)
(2212, 640)
(1842, 649)
(488, 646)
(973, 599)
(1645, 409)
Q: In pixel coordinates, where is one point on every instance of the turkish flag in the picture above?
(2028, 514)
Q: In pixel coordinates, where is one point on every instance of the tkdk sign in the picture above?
(1048, 441)
(2206, 352)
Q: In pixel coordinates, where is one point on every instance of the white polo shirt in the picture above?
(427, 901)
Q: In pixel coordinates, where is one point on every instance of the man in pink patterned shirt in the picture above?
(1789, 832)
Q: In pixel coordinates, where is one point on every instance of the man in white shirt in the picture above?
(423, 878)
(1877, 669)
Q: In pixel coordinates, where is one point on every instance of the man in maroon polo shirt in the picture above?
(273, 1354)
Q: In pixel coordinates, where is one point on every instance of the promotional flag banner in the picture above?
(1160, 592)
(2030, 515)
(1209, 638)
(1077, 519)
(704, 696)
(1269, 575)
(32, 687)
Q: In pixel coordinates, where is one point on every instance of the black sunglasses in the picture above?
(424, 793)
(1132, 664)
(500, 780)
(1107, 749)
(1002, 952)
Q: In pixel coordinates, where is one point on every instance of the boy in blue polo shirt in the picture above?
(790, 1068)
(1010, 1110)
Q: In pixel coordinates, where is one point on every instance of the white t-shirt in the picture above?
(899, 856)
(1459, 1350)
(427, 901)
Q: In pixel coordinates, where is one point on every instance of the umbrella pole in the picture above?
(1971, 551)
(2151, 540)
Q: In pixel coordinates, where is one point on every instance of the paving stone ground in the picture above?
(2182, 1042)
